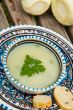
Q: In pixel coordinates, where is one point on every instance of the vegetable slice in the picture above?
(63, 11)
(35, 7)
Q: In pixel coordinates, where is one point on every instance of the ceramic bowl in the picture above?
(13, 98)
(44, 42)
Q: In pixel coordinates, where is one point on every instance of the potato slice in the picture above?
(35, 7)
(63, 11)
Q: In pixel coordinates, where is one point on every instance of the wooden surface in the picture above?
(70, 32)
(19, 16)
(48, 20)
(17, 13)
(3, 20)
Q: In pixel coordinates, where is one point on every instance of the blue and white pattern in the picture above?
(42, 40)
(14, 99)
(3, 106)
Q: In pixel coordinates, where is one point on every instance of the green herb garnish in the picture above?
(31, 66)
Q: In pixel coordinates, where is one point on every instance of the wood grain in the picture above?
(70, 32)
(48, 20)
(17, 13)
(3, 20)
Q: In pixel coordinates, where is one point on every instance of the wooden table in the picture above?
(11, 13)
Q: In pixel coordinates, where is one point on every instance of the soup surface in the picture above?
(16, 59)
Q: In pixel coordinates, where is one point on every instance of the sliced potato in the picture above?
(63, 11)
(35, 7)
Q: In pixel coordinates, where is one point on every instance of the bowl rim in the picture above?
(36, 28)
(30, 89)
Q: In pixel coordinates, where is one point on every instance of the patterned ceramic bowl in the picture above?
(39, 40)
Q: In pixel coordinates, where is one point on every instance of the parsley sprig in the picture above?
(31, 66)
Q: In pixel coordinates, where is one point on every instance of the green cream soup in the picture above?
(44, 74)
